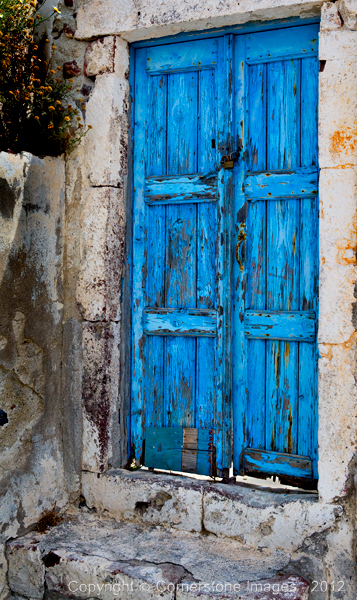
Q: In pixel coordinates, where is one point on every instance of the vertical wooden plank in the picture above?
(155, 282)
(308, 417)
(257, 126)
(239, 270)
(282, 294)
(256, 361)
(182, 123)
(309, 111)
(180, 286)
(308, 405)
(224, 257)
(283, 119)
(206, 227)
(256, 364)
(139, 253)
(283, 114)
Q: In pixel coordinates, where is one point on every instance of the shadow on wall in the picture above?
(31, 301)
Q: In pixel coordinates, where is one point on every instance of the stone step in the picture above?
(86, 556)
(262, 518)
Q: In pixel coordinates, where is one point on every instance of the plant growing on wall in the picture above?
(36, 114)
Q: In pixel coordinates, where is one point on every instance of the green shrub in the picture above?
(36, 114)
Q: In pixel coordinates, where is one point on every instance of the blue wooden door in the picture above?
(181, 373)
(275, 297)
(225, 260)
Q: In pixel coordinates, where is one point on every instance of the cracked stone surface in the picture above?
(89, 550)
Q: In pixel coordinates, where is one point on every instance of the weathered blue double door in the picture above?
(224, 294)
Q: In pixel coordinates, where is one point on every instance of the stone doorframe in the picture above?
(99, 207)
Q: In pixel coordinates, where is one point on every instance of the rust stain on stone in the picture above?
(344, 141)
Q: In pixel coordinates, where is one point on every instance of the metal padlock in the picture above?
(229, 164)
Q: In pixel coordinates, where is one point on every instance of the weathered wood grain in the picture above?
(277, 463)
(195, 55)
(282, 44)
(200, 187)
(276, 409)
(270, 185)
(180, 322)
(289, 325)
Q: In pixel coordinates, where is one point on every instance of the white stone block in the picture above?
(99, 392)
(103, 17)
(330, 18)
(338, 241)
(26, 573)
(338, 114)
(348, 10)
(144, 497)
(102, 249)
(263, 520)
(337, 417)
(338, 45)
(106, 144)
(143, 19)
(92, 576)
(99, 57)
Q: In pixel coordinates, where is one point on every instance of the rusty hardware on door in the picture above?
(241, 235)
(227, 161)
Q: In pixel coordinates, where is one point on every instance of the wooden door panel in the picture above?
(275, 403)
(181, 242)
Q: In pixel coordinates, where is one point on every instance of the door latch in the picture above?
(228, 160)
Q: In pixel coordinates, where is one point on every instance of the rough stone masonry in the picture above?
(63, 250)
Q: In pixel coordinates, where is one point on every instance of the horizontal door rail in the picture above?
(277, 463)
(274, 45)
(197, 54)
(180, 322)
(272, 185)
(199, 187)
(289, 326)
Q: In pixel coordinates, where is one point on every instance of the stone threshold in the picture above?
(86, 556)
(248, 514)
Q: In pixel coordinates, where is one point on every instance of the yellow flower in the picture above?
(78, 118)
(58, 102)
(50, 126)
(56, 10)
(37, 118)
(51, 108)
(80, 125)
(90, 127)
(70, 80)
(33, 3)
(49, 88)
(83, 106)
(10, 92)
(53, 47)
(67, 119)
(58, 68)
(52, 71)
(47, 41)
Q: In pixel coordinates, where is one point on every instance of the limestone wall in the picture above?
(31, 299)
